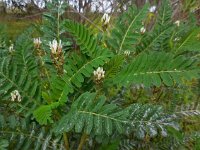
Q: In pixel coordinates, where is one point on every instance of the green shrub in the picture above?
(130, 86)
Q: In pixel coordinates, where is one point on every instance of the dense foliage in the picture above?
(132, 85)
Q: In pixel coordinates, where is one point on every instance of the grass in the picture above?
(15, 26)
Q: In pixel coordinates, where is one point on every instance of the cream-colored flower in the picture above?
(37, 42)
(177, 39)
(178, 23)
(15, 96)
(11, 48)
(99, 73)
(55, 46)
(143, 30)
(59, 46)
(152, 9)
(127, 53)
(105, 19)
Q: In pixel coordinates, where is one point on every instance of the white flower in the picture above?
(59, 46)
(143, 30)
(105, 19)
(15, 96)
(178, 23)
(177, 39)
(127, 53)
(11, 48)
(99, 73)
(152, 9)
(55, 46)
(37, 42)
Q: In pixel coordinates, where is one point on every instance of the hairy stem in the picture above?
(83, 139)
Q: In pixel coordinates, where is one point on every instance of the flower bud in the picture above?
(37, 42)
(105, 19)
(11, 48)
(15, 96)
(127, 53)
(152, 9)
(55, 46)
(99, 74)
(142, 30)
(178, 23)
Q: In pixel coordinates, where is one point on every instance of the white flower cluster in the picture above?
(105, 19)
(177, 23)
(37, 42)
(152, 9)
(11, 48)
(127, 53)
(99, 74)
(177, 39)
(55, 46)
(143, 30)
(15, 96)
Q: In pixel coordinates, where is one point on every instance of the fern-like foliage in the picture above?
(75, 72)
(189, 110)
(86, 41)
(90, 114)
(20, 73)
(159, 38)
(43, 114)
(157, 68)
(190, 42)
(57, 107)
(164, 14)
(149, 120)
(27, 136)
(126, 34)
(54, 24)
(24, 83)
(114, 66)
(155, 41)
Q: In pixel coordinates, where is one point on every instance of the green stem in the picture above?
(83, 139)
(58, 24)
(66, 142)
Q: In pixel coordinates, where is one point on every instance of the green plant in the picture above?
(120, 89)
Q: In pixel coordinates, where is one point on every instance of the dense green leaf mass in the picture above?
(90, 114)
(157, 68)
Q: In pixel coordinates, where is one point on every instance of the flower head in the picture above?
(127, 53)
(37, 42)
(152, 9)
(177, 39)
(55, 46)
(99, 74)
(15, 96)
(143, 30)
(105, 19)
(11, 48)
(178, 23)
